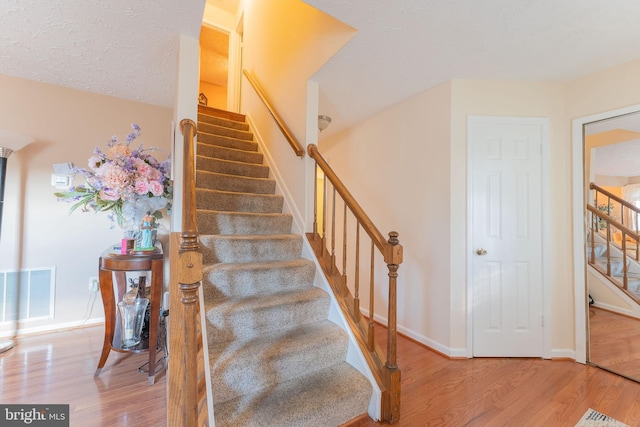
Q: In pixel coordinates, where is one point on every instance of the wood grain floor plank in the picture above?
(59, 368)
(436, 391)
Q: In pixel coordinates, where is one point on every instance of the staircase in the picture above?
(616, 263)
(275, 358)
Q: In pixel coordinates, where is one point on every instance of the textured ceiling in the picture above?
(128, 48)
(405, 47)
(123, 48)
(617, 142)
(214, 56)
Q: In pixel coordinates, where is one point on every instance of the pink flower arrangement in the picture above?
(129, 182)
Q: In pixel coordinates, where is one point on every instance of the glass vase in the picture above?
(132, 320)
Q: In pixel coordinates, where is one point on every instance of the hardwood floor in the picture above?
(515, 392)
(614, 342)
(59, 367)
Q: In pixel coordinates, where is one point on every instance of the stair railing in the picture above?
(186, 394)
(383, 366)
(599, 221)
(291, 139)
(629, 213)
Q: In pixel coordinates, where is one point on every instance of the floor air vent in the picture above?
(26, 294)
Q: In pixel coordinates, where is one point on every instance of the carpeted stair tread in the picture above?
(258, 248)
(238, 202)
(234, 183)
(244, 135)
(243, 223)
(229, 167)
(223, 122)
(216, 112)
(241, 280)
(247, 318)
(248, 366)
(275, 358)
(326, 398)
(231, 154)
(226, 141)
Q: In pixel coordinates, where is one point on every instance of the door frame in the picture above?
(579, 224)
(545, 171)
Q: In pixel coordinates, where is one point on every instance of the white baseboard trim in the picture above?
(51, 328)
(563, 353)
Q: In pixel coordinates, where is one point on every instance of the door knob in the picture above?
(481, 251)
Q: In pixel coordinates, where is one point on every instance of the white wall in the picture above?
(37, 229)
(285, 42)
(529, 99)
(397, 164)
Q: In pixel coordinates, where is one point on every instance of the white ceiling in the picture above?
(128, 48)
(403, 48)
(124, 48)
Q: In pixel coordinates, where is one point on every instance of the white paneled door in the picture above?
(506, 235)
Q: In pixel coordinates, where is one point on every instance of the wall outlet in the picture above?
(94, 284)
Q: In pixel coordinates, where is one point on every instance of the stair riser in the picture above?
(238, 202)
(224, 131)
(208, 150)
(238, 184)
(249, 324)
(248, 371)
(232, 168)
(241, 282)
(225, 141)
(219, 121)
(217, 249)
(243, 224)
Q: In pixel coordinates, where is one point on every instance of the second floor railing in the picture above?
(619, 209)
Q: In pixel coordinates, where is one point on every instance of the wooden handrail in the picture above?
(391, 256)
(611, 220)
(291, 139)
(384, 367)
(623, 202)
(185, 401)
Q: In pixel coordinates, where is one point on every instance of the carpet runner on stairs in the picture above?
(275, 358)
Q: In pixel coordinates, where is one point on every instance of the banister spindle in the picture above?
(624, 260)
(324, 215)
(333, 232)
(370, 335)
(344, 251)
(315, 200)
(356, 277)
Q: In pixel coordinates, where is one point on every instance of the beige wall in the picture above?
(216, 94)
(507, 98)
(432, 303)
(285, 42)
(407, 167)
(38, 230)
(396, 165)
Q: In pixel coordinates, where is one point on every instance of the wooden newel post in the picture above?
(189, 276)
(392, 373)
